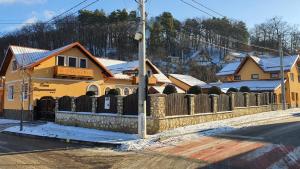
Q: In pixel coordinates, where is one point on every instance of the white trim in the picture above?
(25, 99)
(8, 87)
(65, 62)
(98, 87)
(54, 79)
(86, 62)
(74, 57)
(14, 81)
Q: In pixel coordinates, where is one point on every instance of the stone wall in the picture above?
(157, 121)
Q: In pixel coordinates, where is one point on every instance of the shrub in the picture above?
(113, 92)
(90, 93)
(194, 90)
(232, 89)
(214, 90)
(169, 89)
(245, 89)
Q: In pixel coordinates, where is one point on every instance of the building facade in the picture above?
(67, 71)
(263, 74)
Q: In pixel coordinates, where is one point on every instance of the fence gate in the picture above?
(45, 108)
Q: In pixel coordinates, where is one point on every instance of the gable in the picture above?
(34, 57)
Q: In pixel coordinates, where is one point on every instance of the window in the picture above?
(107, 90)
(292, 76)
(25, 90)
(293, 96)
(255, 76)
(274, 75)
(10, 93)
(60, 61)
(149, 73)
(237, 77)
(72, 61)
(93, 88)
(14, 65)
(126, 91)
(83, 63)
(119, 91)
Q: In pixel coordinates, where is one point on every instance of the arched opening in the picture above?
(94, 89)
(107, 90)
(126, 91)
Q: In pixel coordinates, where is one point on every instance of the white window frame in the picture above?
(12, 65)
(64, 60)
(86, 62)
(8, 92)
(126, 88)
(74, 57)
(26, 92)
(98, 88)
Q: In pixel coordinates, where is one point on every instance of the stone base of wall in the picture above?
(16, 114)
(128, 124)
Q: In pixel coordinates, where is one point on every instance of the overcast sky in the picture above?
(250, 11)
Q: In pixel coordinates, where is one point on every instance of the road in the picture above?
(21, 153)
(271, 144)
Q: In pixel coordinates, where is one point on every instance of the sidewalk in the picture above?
(132, 142)
(72, 134)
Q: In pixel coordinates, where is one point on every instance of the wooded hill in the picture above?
(111, 35)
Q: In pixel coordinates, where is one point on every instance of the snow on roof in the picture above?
(109, 62)
(229, 69)
(254, 85)
(119, 68)
(26, 56)
(162, 78)
(187, 79)
(160, 89)
(268, 64)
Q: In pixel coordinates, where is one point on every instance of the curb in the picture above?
(80, 142)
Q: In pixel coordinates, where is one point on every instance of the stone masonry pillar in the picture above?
(257, 99)
(94, 104)
(232, 97)
(120, 105)
(214, 99)
(247, 99)
(191, 104)
(157, 105)
(73, 105)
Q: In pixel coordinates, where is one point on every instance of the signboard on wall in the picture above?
(107, 103)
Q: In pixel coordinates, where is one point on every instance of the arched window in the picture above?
(93, 88)
(107, 90)
(119, 91)
(126, 91)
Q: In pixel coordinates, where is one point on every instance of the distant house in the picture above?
(184, 82)
(263, 74)
(70, 70)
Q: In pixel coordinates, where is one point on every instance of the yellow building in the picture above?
(67, 71)
(263, 75)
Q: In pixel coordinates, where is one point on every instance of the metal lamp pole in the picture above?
(283, 99)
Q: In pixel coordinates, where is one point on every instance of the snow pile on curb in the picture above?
(174, 136)
(74, 133)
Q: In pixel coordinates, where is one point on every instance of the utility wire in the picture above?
(197, 8)
(229, 38)
(208, 8)
(66, 11)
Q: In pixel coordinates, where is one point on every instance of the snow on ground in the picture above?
(74, 133)
(171, 137)
(8, 121)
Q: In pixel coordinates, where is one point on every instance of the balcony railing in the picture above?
(72, 72)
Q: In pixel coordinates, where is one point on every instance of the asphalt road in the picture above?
(271, 144)
(262, 146)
